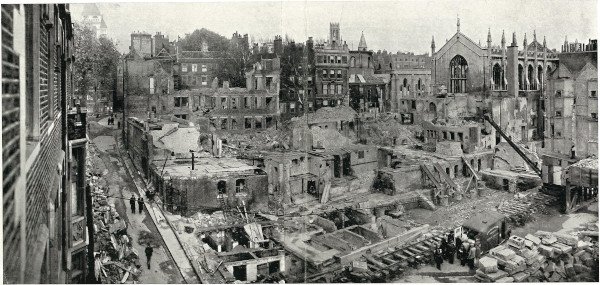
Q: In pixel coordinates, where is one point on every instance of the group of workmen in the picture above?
(140, 202)
(467, 251)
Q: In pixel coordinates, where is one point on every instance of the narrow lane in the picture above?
(140, 227)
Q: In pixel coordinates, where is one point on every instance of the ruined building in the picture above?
(571, 114)
(366, 89)
(46, 238)
(407, 75)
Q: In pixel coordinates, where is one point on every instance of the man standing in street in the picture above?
(438, 256)
(471, 257)
(132, 203)
(141, 204)
(149, 251)
(451, 251)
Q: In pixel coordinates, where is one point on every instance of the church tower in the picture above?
(334, 33)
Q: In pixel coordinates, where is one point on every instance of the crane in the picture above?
(513, 145)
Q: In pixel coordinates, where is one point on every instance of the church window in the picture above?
(530, 78)
(521, 79)
(458, 75)
(540, 76)
(497, 77)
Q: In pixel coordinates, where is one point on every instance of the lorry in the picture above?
(490, 228)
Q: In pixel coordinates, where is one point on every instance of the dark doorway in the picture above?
(312, 188)
(505, 184)
(273, 267)
(523, 134)
(239, 272)
(479, 164)
(337, 171)
(455, 170)
(346, 164)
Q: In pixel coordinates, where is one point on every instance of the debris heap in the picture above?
(116, 260)
(541, 257)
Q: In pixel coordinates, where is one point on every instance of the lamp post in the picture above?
(192, 151)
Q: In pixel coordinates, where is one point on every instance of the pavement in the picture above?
(165, 262)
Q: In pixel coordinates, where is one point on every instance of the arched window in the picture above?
(548, 71)
(404, 83)
(432, 107)
(531, 78)
(369, 64)
(458, 75)
(391, 66)
(352, 62)
(521, 79)
(540, 76)
(379, 66)
(419, 84)
(498, 78)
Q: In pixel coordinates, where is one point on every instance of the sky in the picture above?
(390, 25)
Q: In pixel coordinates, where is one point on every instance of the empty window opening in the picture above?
(248, 123)
(361, 154)
(240, 185)
(221, 187)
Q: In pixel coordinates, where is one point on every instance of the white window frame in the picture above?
(204, 69)
(194, 67)
(184, 67)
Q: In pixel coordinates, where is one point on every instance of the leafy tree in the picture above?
(96, 60)
(214, 41)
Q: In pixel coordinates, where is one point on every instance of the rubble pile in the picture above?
(384, 129)
(541, 257)
(522, 207)
(203, 220)
(116, 260)
(265, 140)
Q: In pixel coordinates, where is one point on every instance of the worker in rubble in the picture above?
(573, 152)
(471, 257)
(444, 247)
(461, 254)
(450, 252)
(438, 257)
(132, 201)
(149, 251)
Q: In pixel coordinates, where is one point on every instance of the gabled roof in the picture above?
(163, 53)
(459, 37)
(540, 47)
(575, 62)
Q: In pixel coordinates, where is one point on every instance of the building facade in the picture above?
(366, 90)
(503, 80)
(571, 111)
(331, 70)
(44, 148)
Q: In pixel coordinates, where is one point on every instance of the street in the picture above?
(140, 226)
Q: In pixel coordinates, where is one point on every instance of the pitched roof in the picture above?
(362, 45)
(90, 9)
(575, 62)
